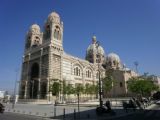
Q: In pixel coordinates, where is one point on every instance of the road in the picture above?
(14, 116)
(152, 114)
(45, 110)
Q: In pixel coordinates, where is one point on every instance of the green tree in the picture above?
(69, 89)
(87, 89)
(79, 88)
(64, 88)
(141, 85)
(108, 82)
(55, 89)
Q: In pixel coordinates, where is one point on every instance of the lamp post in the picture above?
(14, 95)
(32, 87)
(78, 105)
(100, 82)
(136, 64)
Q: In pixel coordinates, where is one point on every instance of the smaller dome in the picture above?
(52, 16)
(113, 57)
(113, 61)
(34, 28)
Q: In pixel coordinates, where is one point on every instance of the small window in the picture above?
(37, 37)
(47, 32)
(110, 63)
(121, 85)
(97, 75)
(114, 62)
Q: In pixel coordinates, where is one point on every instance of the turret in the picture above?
(33, 37)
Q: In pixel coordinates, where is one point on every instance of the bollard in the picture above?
(64, 114)
(23, 112)
(30, 113)
(88, 116)
(45, 114)
(37, 113)
(54, 110)
(74, 114)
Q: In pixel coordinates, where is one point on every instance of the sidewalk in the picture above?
(50, 111)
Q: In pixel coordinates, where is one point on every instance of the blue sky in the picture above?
(130, 28)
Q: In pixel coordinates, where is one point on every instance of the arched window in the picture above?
(74, 71)
(47, 32)
(28, 42)
(97, 75)
(57, 33)
(120, 84)
(77, 71)
(110, 63)
(88, 73)
(114, 62)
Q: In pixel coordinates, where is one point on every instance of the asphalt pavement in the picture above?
(15, 116)
(41, 112)
(148, 114)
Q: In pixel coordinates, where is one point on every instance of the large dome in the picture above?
(94, 47)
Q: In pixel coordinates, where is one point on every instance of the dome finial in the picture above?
(94, 39)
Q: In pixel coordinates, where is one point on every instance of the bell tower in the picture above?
(54, 30)
(33, 37)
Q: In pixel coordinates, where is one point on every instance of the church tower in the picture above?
(33, 37)
(53, 31)
(42, 58)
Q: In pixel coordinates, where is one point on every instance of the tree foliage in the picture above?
(69, 89)
(141, 85)
(55, 89)
(108, 82)
(79, 88)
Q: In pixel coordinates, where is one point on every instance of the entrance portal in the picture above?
(34, 81)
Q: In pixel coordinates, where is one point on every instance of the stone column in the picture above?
(27, 82)
(39, 88)
(25, 90)
(40, 74)
(48, 90)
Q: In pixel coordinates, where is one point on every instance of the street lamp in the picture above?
(136, 64)
(100, 82)
(14, 95)
(32, 87)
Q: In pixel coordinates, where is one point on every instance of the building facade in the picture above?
(45, 60)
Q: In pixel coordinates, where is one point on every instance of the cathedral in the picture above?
(45, 60)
